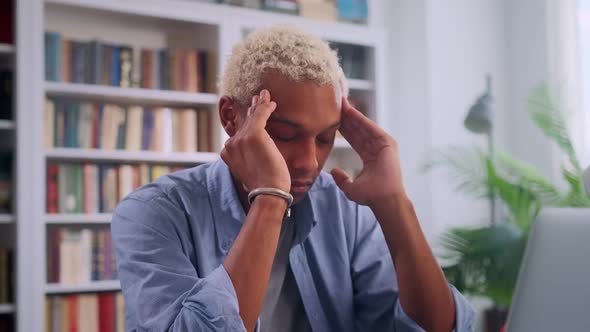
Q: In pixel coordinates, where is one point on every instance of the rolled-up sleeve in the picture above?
(160, 285)
(376, 292)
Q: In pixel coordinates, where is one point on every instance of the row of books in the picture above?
(96, 188)
(353, 60)
(6, 165)
(76, 256)
(99, 62)
(75, 124)
(355, 11)
(94, 312)
(6, 275)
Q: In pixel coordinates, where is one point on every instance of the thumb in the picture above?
(342, 180)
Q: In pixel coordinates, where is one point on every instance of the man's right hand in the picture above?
(251, 154)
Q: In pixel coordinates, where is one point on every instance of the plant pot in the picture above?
(495, 318)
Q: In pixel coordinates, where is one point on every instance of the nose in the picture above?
(305, 159)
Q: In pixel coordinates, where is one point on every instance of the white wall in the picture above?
(466, 41)
(527, 52)
(440, 52)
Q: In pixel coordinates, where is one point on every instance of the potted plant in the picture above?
(485, 261)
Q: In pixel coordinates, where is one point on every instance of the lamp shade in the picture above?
(479, 118)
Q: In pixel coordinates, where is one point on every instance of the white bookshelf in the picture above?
(79, 218)
(146, 23)
(123, 156)
(130, 95)
(94, 286)
(7, 308)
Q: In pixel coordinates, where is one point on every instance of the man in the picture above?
(196, 253)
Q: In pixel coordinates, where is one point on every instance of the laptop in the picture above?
(553, 287)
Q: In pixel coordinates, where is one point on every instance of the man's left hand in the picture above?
(380, 179)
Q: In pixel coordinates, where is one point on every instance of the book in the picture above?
(106, 312)
(203, 139)
(323, 10)
(59, 124)
(353, 10)
(78, 63)
(115, 65)
(134, 130)
(284, 6)
(125, 185)
(120, 312)
(88, 313)
(85, 119)
(95, 64)
(52, 188)
(91, 193)
(49, 123)
(6, 273)
(6, 94)
(7, 13)
(52, 56)
(187, 130)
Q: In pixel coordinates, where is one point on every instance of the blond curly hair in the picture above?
(295, 54)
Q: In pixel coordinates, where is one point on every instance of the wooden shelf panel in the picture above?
(7, 49)
(130, 156)
(129, 95)
(7, 219)
(94, 286)
(7, 308)
(77, 218)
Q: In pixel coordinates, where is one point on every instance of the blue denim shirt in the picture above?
(172, 236)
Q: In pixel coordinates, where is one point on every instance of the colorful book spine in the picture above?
(52, 56)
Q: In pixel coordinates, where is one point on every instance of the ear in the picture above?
(229, 113)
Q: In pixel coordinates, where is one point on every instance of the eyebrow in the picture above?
(275, 118)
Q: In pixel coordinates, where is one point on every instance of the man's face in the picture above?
(303, 127)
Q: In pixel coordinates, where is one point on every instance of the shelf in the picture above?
(341, 143)
(131, 156)
(362, 85)
(7, 308)
(6, 49)
(132, 95)
(219, 14)
(6, 218)
(6, 124)
(94, 286)
(78, 218)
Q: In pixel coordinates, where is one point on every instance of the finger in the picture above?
(264, 96)
(342, 180)
(357, 129)
(259, 116)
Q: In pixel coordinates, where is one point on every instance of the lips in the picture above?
(299, 187)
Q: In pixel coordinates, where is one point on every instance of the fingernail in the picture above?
(254, 100)
(263, 93)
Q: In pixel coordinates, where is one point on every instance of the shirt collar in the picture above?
(228, 213)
